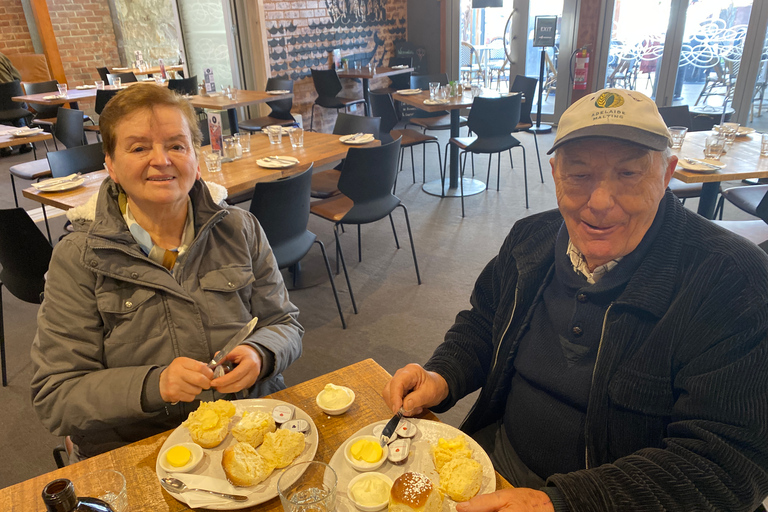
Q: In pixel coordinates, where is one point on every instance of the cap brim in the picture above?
(631, 134)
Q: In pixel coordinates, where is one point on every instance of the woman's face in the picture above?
(154, 159)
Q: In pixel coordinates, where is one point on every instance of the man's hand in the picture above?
(247, 368)
(184, 379)
(519, 499)
(413, 388)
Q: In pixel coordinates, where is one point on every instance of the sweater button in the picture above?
(230, 284)
(94, 263)
(576, 330)
(582, 297)
(134, 275)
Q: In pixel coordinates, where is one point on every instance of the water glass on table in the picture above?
(433, 88)
(308, 486)
(764, 145)
(275, 133)
(213, 161)
(117, 82)
(245, 141)
(62, 89)
(297, 137)
(714, 146)
(730, 130)
(107, 485)
(99, 85)
(677, 134)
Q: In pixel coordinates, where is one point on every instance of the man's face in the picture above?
(608, 193)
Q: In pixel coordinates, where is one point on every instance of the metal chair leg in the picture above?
(413, 247)
(413, 166)
(13, 187)
(47, 228)
(394, 232)
(359, 244)
(340, 256)
(2, 338)
(333, 284)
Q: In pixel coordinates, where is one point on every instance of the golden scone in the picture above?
(414, 492)
(244, 466)
(447, 449)
(460, 478)
(281, 447)
(209, 424)
(252, 427)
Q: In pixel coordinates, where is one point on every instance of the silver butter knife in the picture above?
(389, 428)
(693, 161)
(236, 340)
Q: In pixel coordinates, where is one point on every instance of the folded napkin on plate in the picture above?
(52, 97)
(435, 102)
(196, 499)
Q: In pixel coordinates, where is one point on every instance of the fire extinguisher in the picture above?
(581, 70)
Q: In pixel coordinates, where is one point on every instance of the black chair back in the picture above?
(676, 116)
(527, 86)
(42, 111)
(82, 159)
(402, 81)
(347, 124)
(184, 85)
(11, 111)
(103, 72)
(69, 127)
(494, 117)
(327, 83)
(422, 82)
(367, 178)
(281, 109)
(282, 208)
(124, 77)
(24, 255)
(102, 98)
(383, 107)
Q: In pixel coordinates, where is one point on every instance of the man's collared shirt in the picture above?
(580, 266)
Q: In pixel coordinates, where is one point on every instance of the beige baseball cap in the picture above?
(616, 114)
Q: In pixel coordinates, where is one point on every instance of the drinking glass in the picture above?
(433, 88)
(275, 134)
(117, 82)
(99, 84)
(371, 67)
(62, 89)
(159, 80)
(245, 141)
(297, 137)
(107, 485)
(677, 133)
(233, 93)
(308, 486)
(714, 146)
(764, 145)
(213, 161)
(230, 149)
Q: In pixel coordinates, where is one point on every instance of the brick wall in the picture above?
(301, 33)
(14, 34)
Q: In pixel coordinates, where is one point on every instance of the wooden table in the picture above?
(454, 105)
(137, 461)
(7, 140)
(73, 96)
(219, 101)
(237, 177)
(147, 71)
(366, 75)
(742, 161)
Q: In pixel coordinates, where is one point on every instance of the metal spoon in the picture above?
(178, 486)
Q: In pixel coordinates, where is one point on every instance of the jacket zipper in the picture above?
(597, 359)
(501, 340)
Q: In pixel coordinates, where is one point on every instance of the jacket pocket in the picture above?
(228, 294)
(130, 314)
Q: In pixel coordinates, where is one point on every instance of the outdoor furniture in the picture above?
(328, 86)
(470, 62)
(679, 115)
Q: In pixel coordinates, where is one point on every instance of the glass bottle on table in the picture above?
(59, 496)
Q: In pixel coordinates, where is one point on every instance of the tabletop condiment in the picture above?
(59, 496)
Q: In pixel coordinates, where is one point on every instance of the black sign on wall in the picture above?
(545, 28)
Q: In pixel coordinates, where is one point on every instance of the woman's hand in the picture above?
(519, 499)
(247, 369)
(413, 388)
(184, 379)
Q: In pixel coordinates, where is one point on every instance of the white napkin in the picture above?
(197, 499)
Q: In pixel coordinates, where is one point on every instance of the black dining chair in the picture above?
(103, 72)
(102, 98)
(183, 86)
(45, 115)
(397, 82)
(282, 208)
(24, 256)
(382, 106)
(492, 121)
(431, 120)
(754, 230)
(366, 196)
(280, 113)
(326, 183)
(12, 112)
(125, 78)
(328, 86)
(527, 87)
(82, 159)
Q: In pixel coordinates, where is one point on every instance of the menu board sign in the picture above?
(545, 29)
(214, 130)
(210, 85)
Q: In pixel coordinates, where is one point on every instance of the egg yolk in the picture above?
(366, 450)
(178, 456)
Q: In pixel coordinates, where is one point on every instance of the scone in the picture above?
(209, 424)
(448, 449)
(244, 466)
(281, 447)
(252, 427)
(414, 492)
(460, 478)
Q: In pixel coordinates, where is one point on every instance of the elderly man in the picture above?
(619, 341)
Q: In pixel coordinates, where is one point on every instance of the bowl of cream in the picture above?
(370, 491)
(335, 400)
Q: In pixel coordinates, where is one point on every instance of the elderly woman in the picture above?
(158, 276)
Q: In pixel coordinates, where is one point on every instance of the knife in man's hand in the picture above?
(236, 340)
(389, 428)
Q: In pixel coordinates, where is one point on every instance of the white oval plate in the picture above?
(277, 164)
(363, 139)
(61, 187)
(408, 92)
(420, 459)
(211, 466)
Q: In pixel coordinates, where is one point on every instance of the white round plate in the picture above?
(61, 187)
(281, 162)
(420, 459)
(703, 167)
(408, 92)
(744, 131)
(279, 91)
(211, 465)
(26, 133)
(363, 139)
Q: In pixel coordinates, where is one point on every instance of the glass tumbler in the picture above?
(245, 141)
(433, 88)
(764, 145)
(62, 89)
(297, 137)
(308, 486)
(677, 134)
(99, 84)
(730, 130)
(714, 146)
(275, 134)
(213, 161)
(117, 82)
(107, 485)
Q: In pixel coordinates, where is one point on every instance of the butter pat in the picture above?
(370, 491)
(178, 456)
(333, 397)
(366, 450)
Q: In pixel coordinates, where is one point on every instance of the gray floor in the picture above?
(399, 321)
